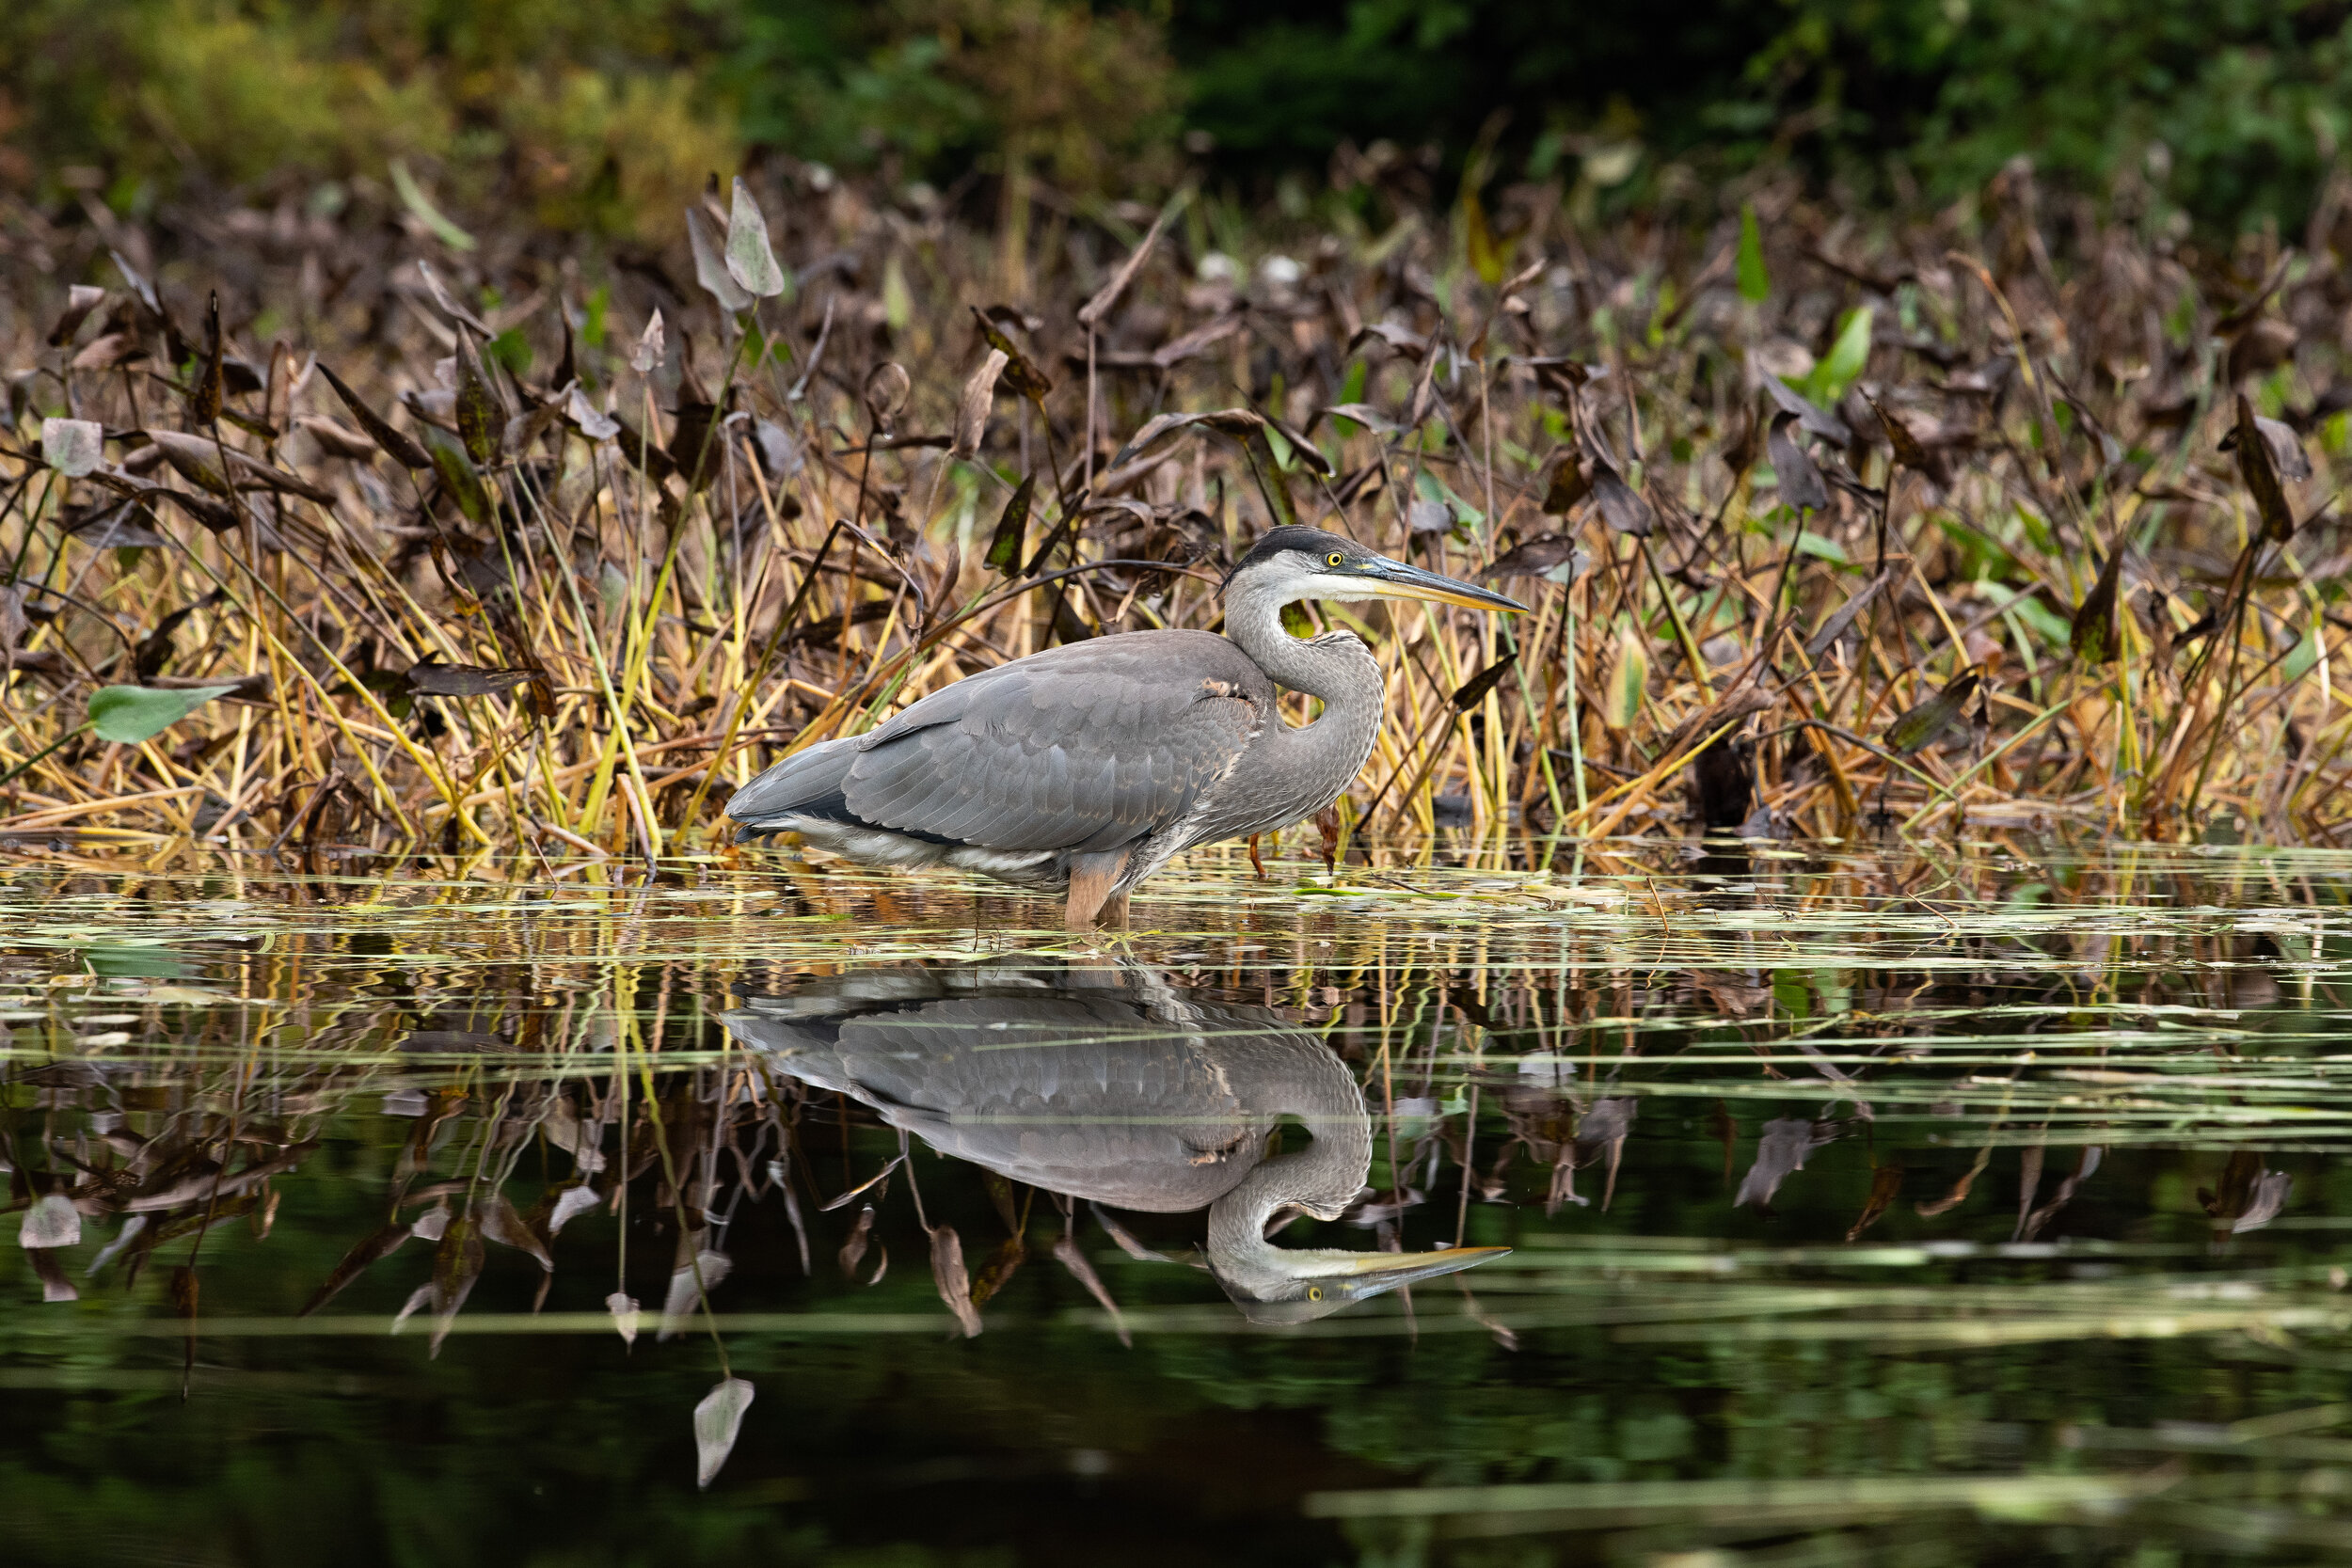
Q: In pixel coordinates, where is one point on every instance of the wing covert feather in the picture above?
(1085, 747)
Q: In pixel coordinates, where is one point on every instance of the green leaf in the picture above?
(2305, 657)
(2095, 636)
(131, 714)
(1846, 358)
(1755, 284)
(1629, 679)
(460, 474)
(710, 266)
(413, 198)
(1004, 550)
(751, 259)
(1921, 725)
(898, 300)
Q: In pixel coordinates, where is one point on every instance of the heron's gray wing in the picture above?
(1085, 747)
(1077, 1095)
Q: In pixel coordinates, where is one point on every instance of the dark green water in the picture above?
(1982, 1208)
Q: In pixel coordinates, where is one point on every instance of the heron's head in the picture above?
(1309, 563)
(1298, 1285)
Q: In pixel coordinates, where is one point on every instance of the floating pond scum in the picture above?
(1775, 1204)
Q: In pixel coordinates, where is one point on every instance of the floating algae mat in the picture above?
(1974, 1205)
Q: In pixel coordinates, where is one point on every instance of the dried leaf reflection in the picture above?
(2092, 1163)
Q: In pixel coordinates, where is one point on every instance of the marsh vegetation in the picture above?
(1978, 1209)
(356, 530)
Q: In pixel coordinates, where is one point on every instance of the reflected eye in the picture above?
(1334, 557)
(1314, 1292)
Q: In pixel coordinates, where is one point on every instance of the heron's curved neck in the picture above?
(1322, 1177)
(1339, 670)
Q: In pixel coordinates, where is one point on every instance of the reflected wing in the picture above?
(1085, 748)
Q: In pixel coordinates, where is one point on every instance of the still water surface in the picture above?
(1981, 1206)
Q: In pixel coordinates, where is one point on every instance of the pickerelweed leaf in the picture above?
(457, 1264)
(2259, 466)
(971, 408)
(200, 459)
(1473, 690)
(1554, 557)
(1020, 373)
(1801, 483)
(1569, 485)
(459, 477)
(481, 422)
(887, 388)
(1004, 548)
(1906, 447)
(1001, 1265)
(397, 446)
(448, 303)
(717, 1420)
(1628, 683)
(1621, 506)
(1428, 515)
(572, 1202)
(2097, 634)
(195, 458)
(1359, 413)
(502, 1224)
(751, 259)
(691, 1282)
(593, 424)
(52, 1221)
(1816, 419)
(431, 679)
(379, 1243)
(1848, 356)
(954, 1283)
(1842, 620)
(710, 264)
(130, 714)
(624, 1309)
(651, 345)
(80, 300)
(1919, 726)
(1239, 423)
(72, 447)
(205, 397)
(1781, 1150)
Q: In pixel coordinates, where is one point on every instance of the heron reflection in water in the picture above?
(1110, 1084)
(1089, 766)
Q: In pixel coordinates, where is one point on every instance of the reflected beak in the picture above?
(1386, 1271)
(1395, 580)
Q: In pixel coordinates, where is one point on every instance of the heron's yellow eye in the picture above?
(1314, 1292)
(1335, 558)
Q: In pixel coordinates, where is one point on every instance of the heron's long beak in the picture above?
(1388, 1270)
(1395, 580)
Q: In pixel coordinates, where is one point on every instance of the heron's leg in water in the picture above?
(1113, 913)
(1091, 879)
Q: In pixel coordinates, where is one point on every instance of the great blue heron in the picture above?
(1089, 766)
(1108, 1084)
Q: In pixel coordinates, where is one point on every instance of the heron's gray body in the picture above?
(1120, 1092)
(1130, 743)
(1098, 762)
(1105, 1083)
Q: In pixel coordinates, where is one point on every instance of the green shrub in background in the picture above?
(2246, 101)
(603, 114)
(589, 110)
